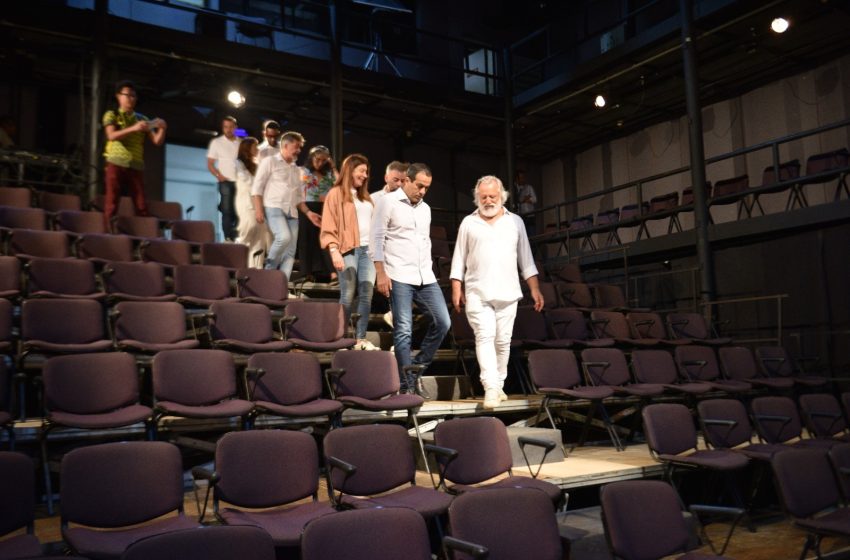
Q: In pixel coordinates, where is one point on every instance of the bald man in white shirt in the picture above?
(491, 246)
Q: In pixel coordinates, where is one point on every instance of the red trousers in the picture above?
(117, 177)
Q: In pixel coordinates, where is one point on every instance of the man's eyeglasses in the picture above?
(128, 94)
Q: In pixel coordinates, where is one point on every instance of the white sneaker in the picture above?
(388, 318)
(364, 344)
(502, 396)
(491, 398)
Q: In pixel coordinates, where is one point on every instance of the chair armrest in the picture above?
(347, 469)
(735, 513)
(771, 418)
(251, 373)
(212, 477)
(284, 323)
(444, 456)
(332, 376)
(201, 473)
(590, 378)
(717, 422)
(474, 550)
(193, 319)
(545, 444)
(700, 363)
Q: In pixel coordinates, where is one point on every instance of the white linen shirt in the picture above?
(486, 257)
(264, 150)
(378, 195)
(401, 239)
(224, 152)
(279, 183)
(522, 192)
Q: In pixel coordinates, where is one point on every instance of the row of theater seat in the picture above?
(53, 202)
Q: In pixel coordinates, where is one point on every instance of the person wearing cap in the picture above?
(269, 146)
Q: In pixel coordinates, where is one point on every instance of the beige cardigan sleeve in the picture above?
(331, 220)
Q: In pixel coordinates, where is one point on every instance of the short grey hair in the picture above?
(486, 180)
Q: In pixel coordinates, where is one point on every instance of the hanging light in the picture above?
(236, 98)
(599, 102)
(779, 25)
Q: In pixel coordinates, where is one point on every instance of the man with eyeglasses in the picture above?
(126, 131)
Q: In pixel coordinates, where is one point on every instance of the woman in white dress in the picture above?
(256, 236)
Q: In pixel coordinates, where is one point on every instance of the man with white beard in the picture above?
(491, 245)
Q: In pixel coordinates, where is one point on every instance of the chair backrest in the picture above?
(607, 217)
(165, 251)
(669, 428)
(823, 414)
(290, 378)
(461, 329)
(575, 294)
(381, 452)
(840, 457)
(55, 202)
(720, 436)
(663, 202)
(194, 377)
(5, 328)
(266, 468)
(318, 321)
(248, 322)
(105, 247)
(653, 366)
(697, 363)
(19, 197)
(90, 383)
(61, 276)
(80, 222)
(23, 218)
(556, 369)
(631, 211)
(261, 283)
(207, 282)
(47, 244)
(62, 321)
(806, 482)
(151, 322)
(228, 255)
(643, 519)
(570, 272)
(205, 543)
(123, 206)
(367, 534)
(17, 486)
(612, 369)
(827, 161)
(688, 325)
(119, 484)
(731, 186)
(646, 325)
(134, 278)
(137, 226)
(370, 375)
(775, 361)
(609, 295)
(568, 324)
(786, 424)
(738, 362)
(529, 324)
(580, 223)
(165, 210)
(550, 295)
(610, 324)
(482, 446)
(10, 275)
(510, 522)
(195, 231)
(787, 171)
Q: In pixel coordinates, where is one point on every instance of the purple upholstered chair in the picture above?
(257, 285)
(17, 509)
(317, 325)
(613, 325)
(531, 330)
(644, 519)
(556, 375)
(193, 231)
(288, 385)
(777, 421)
(62, 278)
(824, 418)
(268, 469)
(104, 247)
(199, 286)
(507, 523)
(726, 425)
(10, 277)
(481, 452)
(149, 327)
(699, 363)
(205, 543)
(124, 487)
(165, 251)
(570, 324)
(811, 496)
(56, 202)
(577, 295)
(13, 217)
(62, 326)
(739, 364)
(657, 366)
(694, 327)
(18, 197)
(140, 227)
(80, 222)
(135, 281)
(232, 256)
(30, 243)
(611, 297)
(840, 457)
(6, 394)
(244, 327)
(777, 363)
(197, 384)
(648, 325)
(165, 210)
(367, 534)
(375, 464)
(569, 273)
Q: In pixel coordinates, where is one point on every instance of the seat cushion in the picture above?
(426, 501)
(110, 545)
(117, 418)
(224, 409)
(284, 525)
(20, 546)
(318, 407)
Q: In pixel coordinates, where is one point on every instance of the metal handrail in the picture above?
(709, 306)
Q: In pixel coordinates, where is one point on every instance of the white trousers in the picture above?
(493, 323)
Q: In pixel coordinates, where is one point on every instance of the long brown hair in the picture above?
(345, 181)
(244, 154)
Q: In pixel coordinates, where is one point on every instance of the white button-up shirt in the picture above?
(486, 257)
(224, 152)
(401, 239)
(279, 183)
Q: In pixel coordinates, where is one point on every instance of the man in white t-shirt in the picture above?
(393, 179)
(269, 146)
(527, 200)
(221, 161)
(491, 244)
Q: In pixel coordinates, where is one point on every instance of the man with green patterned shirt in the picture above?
(126, 131)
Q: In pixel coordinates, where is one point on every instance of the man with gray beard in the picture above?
(491, 244)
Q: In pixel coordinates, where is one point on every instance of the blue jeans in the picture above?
(285, 231)
(358, 274)
(227, 207)
(429, 298)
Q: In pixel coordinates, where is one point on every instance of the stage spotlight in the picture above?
(236, 98)
(779, 25)
(599, 102)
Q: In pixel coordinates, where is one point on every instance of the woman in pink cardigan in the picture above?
(346, 220)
